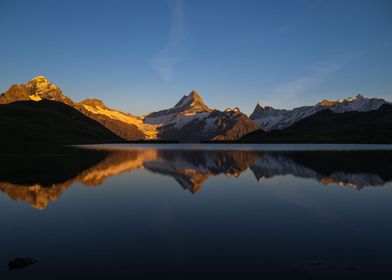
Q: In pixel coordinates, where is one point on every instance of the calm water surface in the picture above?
(198, 211)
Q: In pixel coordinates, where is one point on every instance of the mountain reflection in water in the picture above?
(40, 178)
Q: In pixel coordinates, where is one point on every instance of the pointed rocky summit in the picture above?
(37, 89)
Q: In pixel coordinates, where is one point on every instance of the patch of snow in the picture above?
(35, 97)
(210, 124)
(149, 130)
(165, 119)
(181, 120)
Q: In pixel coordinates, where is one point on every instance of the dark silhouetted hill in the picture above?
(49, 122)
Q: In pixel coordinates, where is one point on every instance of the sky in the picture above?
(141, 56)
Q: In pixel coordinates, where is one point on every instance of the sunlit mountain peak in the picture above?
(192, 100)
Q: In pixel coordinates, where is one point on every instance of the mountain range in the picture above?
(189, 120)
(270, 118)
(327, 126)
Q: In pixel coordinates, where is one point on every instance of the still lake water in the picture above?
(198, 212)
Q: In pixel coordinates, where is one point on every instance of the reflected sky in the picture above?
(188, 213)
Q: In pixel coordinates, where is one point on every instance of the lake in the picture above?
(198, 212)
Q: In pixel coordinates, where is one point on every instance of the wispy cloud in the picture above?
(316, 75)
(165, 60)
(290, 92)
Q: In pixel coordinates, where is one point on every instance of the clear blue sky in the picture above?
(144, 55)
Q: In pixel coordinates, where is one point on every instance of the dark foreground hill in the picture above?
(329, 127)
(49, 122)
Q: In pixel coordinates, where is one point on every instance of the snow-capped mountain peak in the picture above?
(190, 104)
(357, 98)
(355, 103)
(192, 120)
(351, 99)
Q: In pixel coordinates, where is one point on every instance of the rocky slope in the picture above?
(124, 125)
(270, 118)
